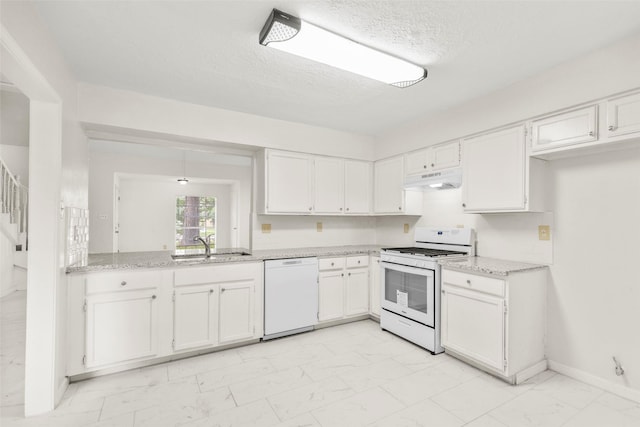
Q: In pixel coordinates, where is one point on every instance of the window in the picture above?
(195, 216)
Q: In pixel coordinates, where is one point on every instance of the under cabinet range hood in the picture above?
(438, 180)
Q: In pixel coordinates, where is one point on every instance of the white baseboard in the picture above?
(531, 371)
(585, 377)
(62, 387)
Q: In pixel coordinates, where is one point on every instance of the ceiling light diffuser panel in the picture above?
(290, 34)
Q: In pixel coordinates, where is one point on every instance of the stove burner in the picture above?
(424, 252)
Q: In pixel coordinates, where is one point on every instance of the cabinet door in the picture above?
(289, 182)
(121, 326)
(473, 324)
(194, 317)
(374, 276)
(235, 311)
(623, 115)
(331, 295)
(329, 185)
(445, 156)
(388, 185)
(573, 127)
(494, 171)
(357, 292)
(417, 162)
(357, 184)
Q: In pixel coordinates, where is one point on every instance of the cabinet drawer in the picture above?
(473, 282)
(358, 261)
(215, 274)
(325, 264)
(110, 282)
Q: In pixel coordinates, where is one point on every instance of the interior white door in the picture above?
(329, 185)
(194, 317)
(121, 326)
(473, 324)
(235, 311)
(494, 167)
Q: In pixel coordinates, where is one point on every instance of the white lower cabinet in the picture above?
(236, 311)
(121, 326)
(194, 317)
(115, 319)
(343, 288)
(495, 322)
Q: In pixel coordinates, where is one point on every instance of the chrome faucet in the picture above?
(207, 247)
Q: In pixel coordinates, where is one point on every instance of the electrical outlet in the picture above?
(406, 228)
(266, 228)
(164, 247)
(544, 232)
(460, 226)
(319, 227)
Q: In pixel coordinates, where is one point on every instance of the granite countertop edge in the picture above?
(494, 266)
(162, 259)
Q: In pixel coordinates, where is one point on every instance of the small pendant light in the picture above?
(184, 180)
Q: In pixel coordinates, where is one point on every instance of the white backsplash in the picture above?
(77, 237)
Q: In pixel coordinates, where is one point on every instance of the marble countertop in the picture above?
(498, 267)
(160, 259)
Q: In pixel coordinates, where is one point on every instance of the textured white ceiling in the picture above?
(207, 52)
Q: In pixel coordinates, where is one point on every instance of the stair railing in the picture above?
(14, 198)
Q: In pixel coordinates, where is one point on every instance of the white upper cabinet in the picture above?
(289, 182)
(496, 173)
(357, 187)
(434, 158)
(623, 115)
(573, 127)
(294, 183)
(390, 196)
(329, 185)
(445, 155)
(417, 162)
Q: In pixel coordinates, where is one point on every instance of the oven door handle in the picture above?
(407, 269)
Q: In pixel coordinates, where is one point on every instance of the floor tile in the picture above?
(256, 414)
(425, 413)
(475, 397)
(296, 402)
(534, 408)
(234, 374)
(200, 364)
(358, 410)
(419, 359)
(303, 354)
(304, 420)
(268, 385)
(570, 391)
(485, 421)
(369, 376)
(418, 386)
(334, 365)
(625, 406)
(187, 408)
(599, 415)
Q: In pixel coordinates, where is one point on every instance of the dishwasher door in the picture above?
(290, 296)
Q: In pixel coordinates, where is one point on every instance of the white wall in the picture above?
(14, 120)
(6, 265)
(594, 295)
(107, 159)
(594, 306)
(147, 212)
(58, 171)
(301, 231)
(125, 111)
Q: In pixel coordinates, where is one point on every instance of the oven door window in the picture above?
(410, 294)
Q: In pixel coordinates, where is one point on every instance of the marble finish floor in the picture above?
(345, 376)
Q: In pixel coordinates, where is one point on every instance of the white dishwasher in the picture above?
(290, 296)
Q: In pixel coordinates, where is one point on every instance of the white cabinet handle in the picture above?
(358, 261)
(210, 291)
(332, 264)
(612, 127)
(347, 208)
(123, 283)
(468, 282)
(153, 297)
(309, 207)
(590, 133)
(222, 290)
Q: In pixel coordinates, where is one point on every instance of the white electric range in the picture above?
(410, 280)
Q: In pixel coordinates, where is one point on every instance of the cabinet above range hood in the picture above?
(438, 180)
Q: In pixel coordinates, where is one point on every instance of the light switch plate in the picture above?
(266, 228)
(319, 227)
(544, 232)
(406, 228)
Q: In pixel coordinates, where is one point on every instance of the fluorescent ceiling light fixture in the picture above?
(290, 34)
